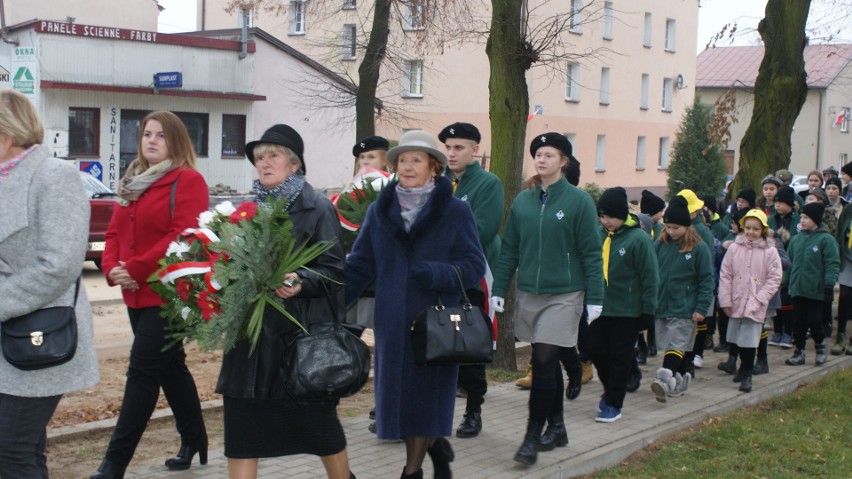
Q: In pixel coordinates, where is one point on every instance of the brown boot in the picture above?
(587, 371)
(526, 381)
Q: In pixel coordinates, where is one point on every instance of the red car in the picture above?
(102, 201)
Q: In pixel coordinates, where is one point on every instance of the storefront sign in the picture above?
(168, 80)
(93, 168)
(25, 70)
(95, 31)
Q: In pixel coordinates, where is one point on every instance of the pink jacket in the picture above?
(750, 275)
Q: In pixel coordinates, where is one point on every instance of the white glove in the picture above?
(593, 312)
(497, 303)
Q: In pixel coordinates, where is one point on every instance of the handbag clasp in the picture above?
(455, 318)
(37, 338)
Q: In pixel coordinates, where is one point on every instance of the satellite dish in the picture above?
(679, 82)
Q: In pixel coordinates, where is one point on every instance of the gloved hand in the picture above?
(421, 275)
(497, 303)
(593, 312)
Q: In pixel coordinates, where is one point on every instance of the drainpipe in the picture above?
(819, 129)
(6, 39)
(244, 36)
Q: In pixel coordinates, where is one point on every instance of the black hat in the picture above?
(786, 194)
(834, 181)
(651, 204)
(749, 195)
(556, 140)
(464, 131)
(709, 202)
(613, 202)
(370, 143)
(281, 135)
(814, 211)
(830, 170)
(572, 171)
(771, 179)
(678, 212)
(737, 215)
(847, 168)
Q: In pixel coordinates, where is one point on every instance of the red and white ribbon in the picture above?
(174, 271)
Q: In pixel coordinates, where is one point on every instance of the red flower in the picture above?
(208, 305)
(184, 288)
(246, 211)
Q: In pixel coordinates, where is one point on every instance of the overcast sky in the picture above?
(179, 16)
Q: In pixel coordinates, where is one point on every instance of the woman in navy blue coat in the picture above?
(412, 237)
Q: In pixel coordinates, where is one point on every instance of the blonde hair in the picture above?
(536, 179)
(178, 143)
(19, 120)
(383, 155)
(267, 148)
(690, 239)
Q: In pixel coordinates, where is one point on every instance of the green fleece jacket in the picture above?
(658, 228)
(843, 227)
(484, 193)
(703, 231)
(789, 223)
(686, 280)
(554, 246)
(633, 273)
(816, 263)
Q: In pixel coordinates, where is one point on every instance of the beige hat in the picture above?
(417, 140)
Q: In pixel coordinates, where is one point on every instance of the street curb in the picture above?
(106, 302)
(612, 454)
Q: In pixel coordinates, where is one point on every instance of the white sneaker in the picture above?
(698, 361)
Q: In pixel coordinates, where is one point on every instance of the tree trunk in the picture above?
(507, 108)
(779, 92)
(369, 70)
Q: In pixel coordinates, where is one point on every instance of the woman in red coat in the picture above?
(160, 195)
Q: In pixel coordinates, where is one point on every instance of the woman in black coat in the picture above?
(260, 419)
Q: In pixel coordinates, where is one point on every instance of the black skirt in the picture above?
(256, 428)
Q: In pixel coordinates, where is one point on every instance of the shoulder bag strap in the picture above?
(461, 284)
(76, 291)
(172, 200)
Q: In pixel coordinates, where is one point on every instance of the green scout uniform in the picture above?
(816, 263)
(633, 273)
(686, 280)
(483, 191)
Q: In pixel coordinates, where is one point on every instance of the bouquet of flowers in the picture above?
(352, 203)
(218, 279)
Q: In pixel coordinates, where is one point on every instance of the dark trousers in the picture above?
(583, 338)
(611, 349)
(472, 376)
(151, 368)
(807, 314)
(23, 435)
(722, 322)
(844, 308)
(826, 316)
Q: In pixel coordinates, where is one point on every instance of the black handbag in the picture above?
(327, 364)
(41, 339)
(451, 335)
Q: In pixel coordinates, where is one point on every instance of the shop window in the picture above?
(84, 132)
(197, 125)
(233, 136)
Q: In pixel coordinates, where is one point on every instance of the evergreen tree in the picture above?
(697, 163)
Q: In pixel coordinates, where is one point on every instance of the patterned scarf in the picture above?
(136, 180)
(290, 188)
(411, 201)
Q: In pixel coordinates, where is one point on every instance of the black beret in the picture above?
(464, 131)
(369, 144)
(572, 171)
(556, 140)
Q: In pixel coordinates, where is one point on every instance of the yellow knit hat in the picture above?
(692, 201)
(755, 213)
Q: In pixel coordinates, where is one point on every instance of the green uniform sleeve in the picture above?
(589, 247)
(831, 260)
(488, 211)
(509, 254)
(649, 275)
(704, 267)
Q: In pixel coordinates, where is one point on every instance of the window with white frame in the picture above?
(572, 88)
(413, 79)
(349, 45)
(604, 86)
(640, 153)
(647, 37)
(607, 30)
(575, 21)
(349, 4)
(844, 158)
(600, 154)
(667, 94)
(844, 123)
(663, 160)
(670, 34)
(297, 17)
(643, 96)
(414, 14)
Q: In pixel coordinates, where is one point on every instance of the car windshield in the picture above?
(94, 188)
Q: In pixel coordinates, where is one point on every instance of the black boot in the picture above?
(652, 344)
(642, 350)
(739, 376)
(109, 470)
(415, 475)
(635, 379)
(555, 435)
(729, 366)
(575, 382)
(471, 425)
(821, 356)
(761, 366)
(528, 452)
(442, 455)
(183, 459)
(797, 359)
(745, 384)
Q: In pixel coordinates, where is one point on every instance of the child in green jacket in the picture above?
(685, 294)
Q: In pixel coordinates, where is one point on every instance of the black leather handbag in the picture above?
(451, 335)
(327, 364)
(41, 339)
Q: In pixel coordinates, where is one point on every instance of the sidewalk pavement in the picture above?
(593, 446)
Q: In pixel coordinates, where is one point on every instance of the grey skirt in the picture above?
(675, 334)
(744, 332)
(548, 318)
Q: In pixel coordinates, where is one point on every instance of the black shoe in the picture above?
(821, 356)
(729, 366)
(109, 470)
(528, 452)
(373, 414)
(555, 435)
(634, 380)
(575, 383)
(745, 384)
(690, 369)
(797, 359)
(471, 425)
(642, 356)
(739, 376)
(183, 459)
(372, 427)
(442, 455)
(415, 475)
(708, 342)
(721, 348)
(761, 367)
